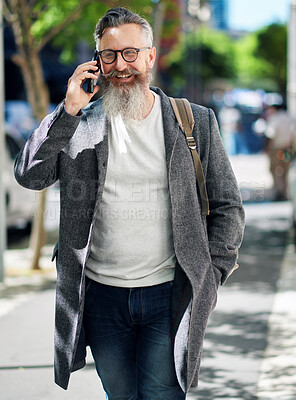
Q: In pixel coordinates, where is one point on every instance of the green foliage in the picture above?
(256, 60)
(203, 55)
(79, 30)
(47, 15)
(250, 70)
(272, 43)
(272, 48)
(261, 58)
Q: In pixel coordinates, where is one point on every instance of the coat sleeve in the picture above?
(225, 224)
(36, 165)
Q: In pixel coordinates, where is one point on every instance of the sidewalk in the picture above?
(253, 176)
(18, 274)
(277, 378)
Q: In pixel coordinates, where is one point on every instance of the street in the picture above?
(250, 345)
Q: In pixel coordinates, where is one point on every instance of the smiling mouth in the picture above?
(123, 76)
(126, 74)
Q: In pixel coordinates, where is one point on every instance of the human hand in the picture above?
(76, 96)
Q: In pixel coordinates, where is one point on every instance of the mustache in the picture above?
(115, 73)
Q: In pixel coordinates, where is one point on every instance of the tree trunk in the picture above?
(38, 97)
(28, 60)
(38, 234)
(36, 87)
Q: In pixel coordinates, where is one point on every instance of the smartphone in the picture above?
(91, 82)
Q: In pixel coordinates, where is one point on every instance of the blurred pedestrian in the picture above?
(138, 265)
(281, 135)
(230, 123)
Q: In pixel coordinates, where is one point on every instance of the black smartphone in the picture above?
(91, 82)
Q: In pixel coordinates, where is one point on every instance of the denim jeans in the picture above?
(129, 333)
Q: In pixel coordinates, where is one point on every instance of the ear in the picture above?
(151, 57)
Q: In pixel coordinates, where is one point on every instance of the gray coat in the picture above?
(74, 150)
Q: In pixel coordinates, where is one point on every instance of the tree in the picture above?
(261, 59)
(200, 57)
(34, 24)
(204, 56)
(251, 71)
(272, 48)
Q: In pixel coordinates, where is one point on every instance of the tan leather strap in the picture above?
(184, 116)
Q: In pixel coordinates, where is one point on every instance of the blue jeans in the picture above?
(129, 333)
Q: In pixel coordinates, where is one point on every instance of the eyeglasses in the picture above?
(129, 54)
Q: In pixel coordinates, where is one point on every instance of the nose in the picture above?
(119, 63)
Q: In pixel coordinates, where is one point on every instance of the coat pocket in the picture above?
(217, 274)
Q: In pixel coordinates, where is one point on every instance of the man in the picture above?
(138, 264)
(281, 134)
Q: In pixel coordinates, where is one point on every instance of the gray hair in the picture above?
(120, 16)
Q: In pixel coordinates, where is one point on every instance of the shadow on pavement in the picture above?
(236, 337)
(20, 287)
(21, 367)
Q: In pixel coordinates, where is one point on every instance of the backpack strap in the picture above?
(184, 116)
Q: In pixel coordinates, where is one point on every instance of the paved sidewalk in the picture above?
(278, 370)
(252, 170)
(18, 275)
(253, 176)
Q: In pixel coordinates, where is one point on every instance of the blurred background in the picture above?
(237, 57)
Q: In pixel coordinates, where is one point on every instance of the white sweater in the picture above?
(132, 242)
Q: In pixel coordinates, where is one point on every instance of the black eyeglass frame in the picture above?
(121, 52)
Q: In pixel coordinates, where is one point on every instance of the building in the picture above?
(213, 13)
(219, 14)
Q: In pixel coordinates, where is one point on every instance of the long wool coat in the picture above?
(74, 150)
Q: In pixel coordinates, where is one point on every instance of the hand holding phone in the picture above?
(76, 96)
(91, 82)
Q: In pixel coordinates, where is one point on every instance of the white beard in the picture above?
(128, 100)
